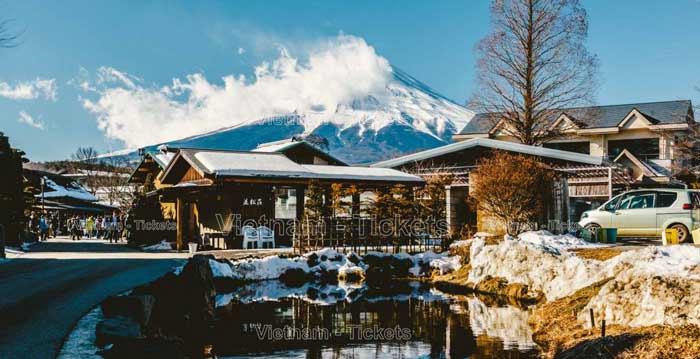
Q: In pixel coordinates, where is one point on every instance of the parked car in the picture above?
(647, 213)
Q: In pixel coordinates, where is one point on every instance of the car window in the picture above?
(637, 201)
(695, 199)
(665, 199)
(612, 204)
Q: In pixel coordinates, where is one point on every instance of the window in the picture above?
(695, 199)
(665, 199)
(612, 204)
(643, 148)
(637, 201)
(578, 147)
(285, 203)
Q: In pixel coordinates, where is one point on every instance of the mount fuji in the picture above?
(408, 116)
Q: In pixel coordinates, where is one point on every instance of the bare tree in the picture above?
(533, 63)
(87, 155)
(686, 156)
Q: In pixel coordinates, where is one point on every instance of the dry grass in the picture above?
(601, 254)
(560, 335)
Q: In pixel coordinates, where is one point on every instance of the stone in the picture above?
(199, 293)
(116, 330)
(294, 277)
(137, 307)
(146, 348)
(312, 260)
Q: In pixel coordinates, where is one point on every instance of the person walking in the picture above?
(43, 228)
(55, 224)
(114, 228)
(89, 227)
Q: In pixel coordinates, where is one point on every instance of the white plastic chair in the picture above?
(266, 236)
(250, 236)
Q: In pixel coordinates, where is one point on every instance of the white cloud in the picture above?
(30, 90)
(335, 72)
(241, 51)
(29, 120)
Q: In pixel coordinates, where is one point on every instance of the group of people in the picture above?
(44, 225)
(47, 225)
(100, 227)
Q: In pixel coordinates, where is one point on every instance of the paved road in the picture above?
(43, 293)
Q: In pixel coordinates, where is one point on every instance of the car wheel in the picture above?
(683, 234)
(592, 227)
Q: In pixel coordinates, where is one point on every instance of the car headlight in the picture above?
(584, 215)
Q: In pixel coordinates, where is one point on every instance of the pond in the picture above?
(401, 319)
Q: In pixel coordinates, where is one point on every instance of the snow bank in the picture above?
(81, 341)
(162, 246)
(555, 273)
(652, 285)
(547, 239)
(328, 260)
(659, 288)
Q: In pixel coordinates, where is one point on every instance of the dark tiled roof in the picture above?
(666, 112)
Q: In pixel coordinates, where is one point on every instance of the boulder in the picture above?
(146, 348)
(312, 260)
(137, 307)
(294, 277)
(169, 296)
(116, 330)
(198, 300)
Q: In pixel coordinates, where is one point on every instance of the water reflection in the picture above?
(399, 320)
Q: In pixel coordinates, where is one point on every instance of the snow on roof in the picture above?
(256, 164)
(162, 158)
(276, 146)
(74, 190)
(361, 173)
(495, 144)
(248, 164)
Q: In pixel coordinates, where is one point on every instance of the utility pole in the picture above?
(43, 183)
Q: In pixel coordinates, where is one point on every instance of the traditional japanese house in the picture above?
(217, 191)
(582, 175)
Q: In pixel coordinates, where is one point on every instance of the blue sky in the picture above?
(648, 50)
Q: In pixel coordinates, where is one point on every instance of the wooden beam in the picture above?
(180, 222)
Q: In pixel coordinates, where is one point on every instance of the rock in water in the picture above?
(199, 299)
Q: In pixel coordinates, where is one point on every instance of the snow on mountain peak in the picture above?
(343, 90)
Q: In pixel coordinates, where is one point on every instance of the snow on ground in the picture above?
(81, 341)
(162, 246)
(652, 285)
(563, 241)
(660, 287)
(328, 260)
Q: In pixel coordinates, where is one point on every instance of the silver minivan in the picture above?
(647, 213)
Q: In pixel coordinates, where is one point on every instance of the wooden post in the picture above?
(592, 318)
(180, 222)
(355, 218)
(609, 182)
(602, 328)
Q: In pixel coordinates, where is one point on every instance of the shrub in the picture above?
(511, 188)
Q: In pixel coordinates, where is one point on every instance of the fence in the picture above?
(361, 235)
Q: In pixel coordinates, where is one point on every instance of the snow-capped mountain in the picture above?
(406, 117)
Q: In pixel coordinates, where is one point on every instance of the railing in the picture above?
(361, 235)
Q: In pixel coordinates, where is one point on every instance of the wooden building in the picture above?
(583, 176)
(215, 192)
